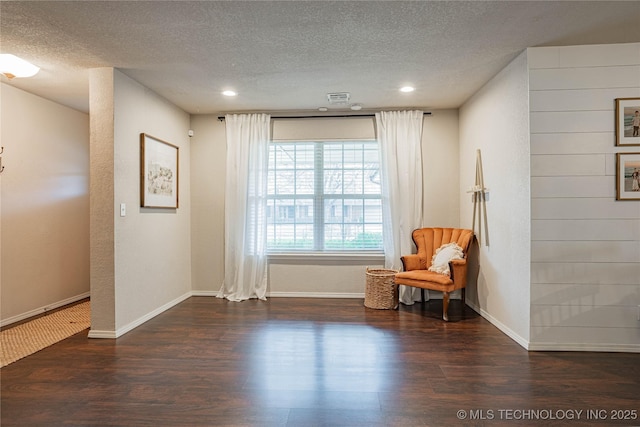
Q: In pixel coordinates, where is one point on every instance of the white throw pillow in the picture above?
(442, 257)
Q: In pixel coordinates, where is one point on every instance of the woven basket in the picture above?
(380, 291)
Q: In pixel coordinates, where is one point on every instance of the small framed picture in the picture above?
(628, 176)
(627, 121)
(158, 173)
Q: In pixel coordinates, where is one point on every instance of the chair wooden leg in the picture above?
(396, 296)
(422, 295)
(445, 306)
(463, 297)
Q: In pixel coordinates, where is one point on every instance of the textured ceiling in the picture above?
(285, 56)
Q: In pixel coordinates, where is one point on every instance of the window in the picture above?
(324, 196)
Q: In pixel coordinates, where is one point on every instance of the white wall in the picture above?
(151, 247)
(585, 249)
(101, 211)
(309, 276)
(45, 204)
(208, 167)
(313, 275)
(440, 162)
(496, 121)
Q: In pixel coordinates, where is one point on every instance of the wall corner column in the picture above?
(101, 203)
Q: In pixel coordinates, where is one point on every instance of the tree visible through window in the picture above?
(324, 196)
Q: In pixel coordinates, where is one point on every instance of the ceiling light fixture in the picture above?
(356, 107)
(407, 89)
(12, 66)
(229, 93)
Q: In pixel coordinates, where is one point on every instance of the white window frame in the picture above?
(319, 197)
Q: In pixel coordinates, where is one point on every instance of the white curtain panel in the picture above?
(399, 134)
(245, 232)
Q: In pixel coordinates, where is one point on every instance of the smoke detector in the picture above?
(338, 98)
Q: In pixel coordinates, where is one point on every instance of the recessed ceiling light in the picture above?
(229, 93)
(407, 89)
(356, 107)
(323, 109)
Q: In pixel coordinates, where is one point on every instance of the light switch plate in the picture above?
(123, 209)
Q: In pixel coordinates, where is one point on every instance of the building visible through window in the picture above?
(324, 196)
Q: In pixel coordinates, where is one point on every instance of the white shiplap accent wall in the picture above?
(585, 248)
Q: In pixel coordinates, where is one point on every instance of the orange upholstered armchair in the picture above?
(416, 266)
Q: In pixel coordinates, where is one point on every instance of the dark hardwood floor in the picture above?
(315, 362)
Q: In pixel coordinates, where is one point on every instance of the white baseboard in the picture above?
(204, 293)
(289, 294)
(606, 348)
(554, 346)
(313, 295)
(102, 334)
(501, 326)
(121, 331)
(43, 309)
(622, 348)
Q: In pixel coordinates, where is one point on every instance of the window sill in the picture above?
(325, 257)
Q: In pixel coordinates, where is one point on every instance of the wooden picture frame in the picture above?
(628, 176)
(159, 173)
(628, 121)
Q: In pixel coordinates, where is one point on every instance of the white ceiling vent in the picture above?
(338, 98)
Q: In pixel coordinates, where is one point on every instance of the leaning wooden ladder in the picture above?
(480, 202)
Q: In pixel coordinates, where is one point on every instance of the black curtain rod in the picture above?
(325, 116)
